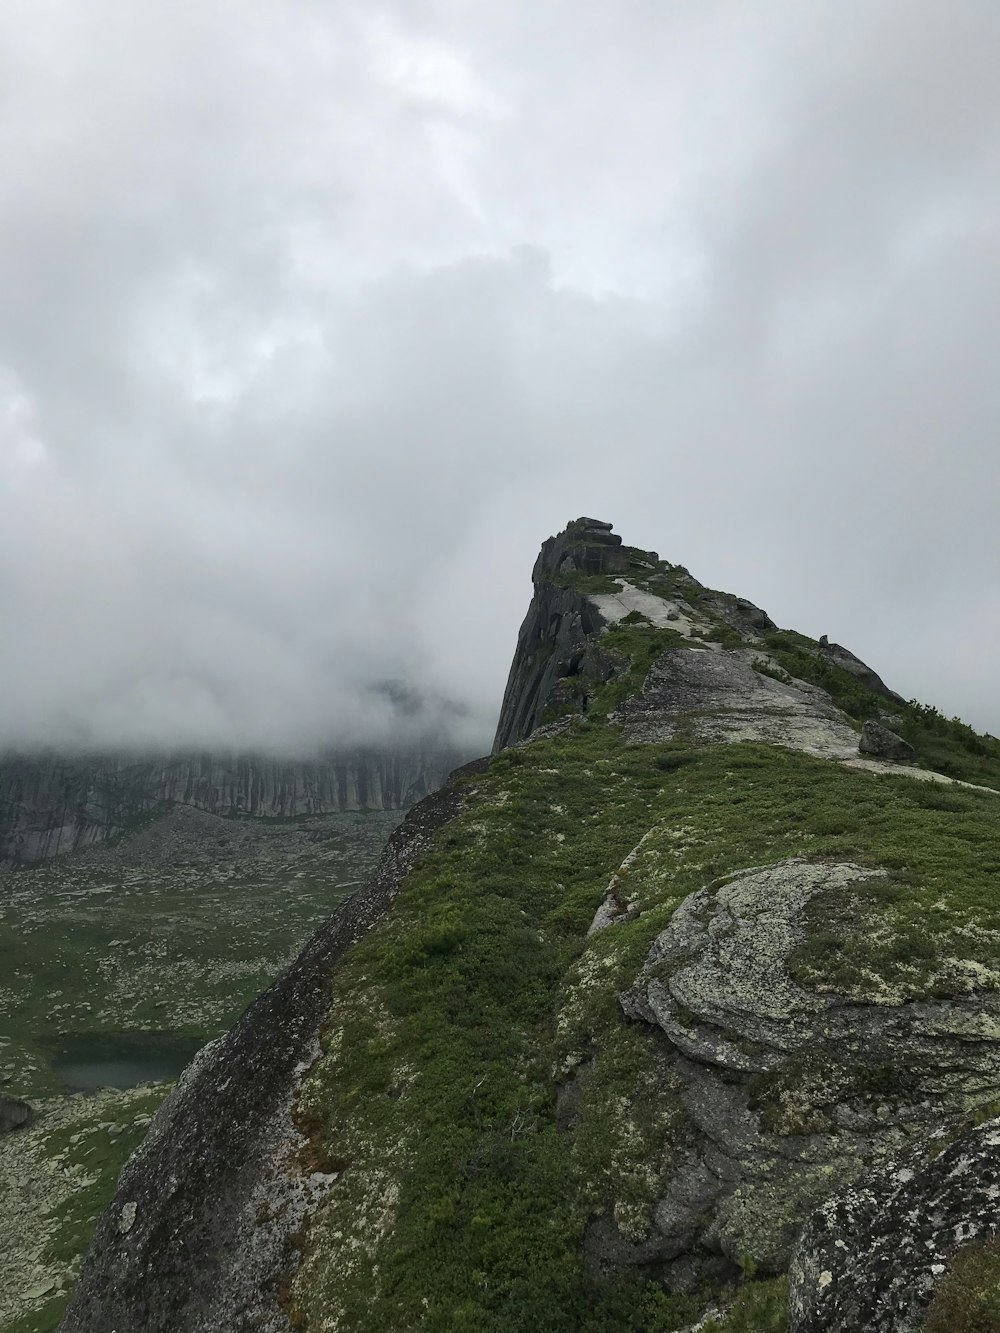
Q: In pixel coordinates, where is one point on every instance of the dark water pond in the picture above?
(88, 1060)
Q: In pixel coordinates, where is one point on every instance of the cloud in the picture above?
(315, 322)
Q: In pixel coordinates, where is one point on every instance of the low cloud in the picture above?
(314, 324)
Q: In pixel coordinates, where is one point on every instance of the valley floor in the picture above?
(115, 967)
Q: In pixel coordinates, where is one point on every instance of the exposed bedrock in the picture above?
(872, 1257)
(791, 1094)
(848, 661)
(559, 620)
(714, 697)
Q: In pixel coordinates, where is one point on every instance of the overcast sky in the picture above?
(315, 319)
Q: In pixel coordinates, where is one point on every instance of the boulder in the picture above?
(878, 741)
(861, 671)
(13, 1114)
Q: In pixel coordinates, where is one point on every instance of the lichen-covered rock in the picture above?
(791, 1093)
(871, 1258)
(879, 741)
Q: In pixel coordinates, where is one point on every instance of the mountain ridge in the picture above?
(622, 1011)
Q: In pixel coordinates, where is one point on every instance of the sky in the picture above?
(315, 320)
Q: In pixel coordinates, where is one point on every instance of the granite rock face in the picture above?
(51, 805)
(777, 1078)
(715, 697)
(844, 658)
(559, 621)
(872, 1257)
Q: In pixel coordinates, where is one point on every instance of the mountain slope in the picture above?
(619, 1011)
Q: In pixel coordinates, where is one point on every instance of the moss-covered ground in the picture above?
(462, 1204)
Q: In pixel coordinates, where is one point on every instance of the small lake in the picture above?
(86, 1061)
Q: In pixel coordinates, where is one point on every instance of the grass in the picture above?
(454, 1025)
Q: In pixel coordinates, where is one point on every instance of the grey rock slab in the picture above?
(659, 611)
(714, 698)
(852, 1084)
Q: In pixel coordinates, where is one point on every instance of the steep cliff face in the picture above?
(51, 805)
(683, 990)
(560, 618)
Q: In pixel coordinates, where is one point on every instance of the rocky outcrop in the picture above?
(713, 697)
(872, 1258)
(197, 1238)
(861, 671)
(52, 805)
(787, 1089)
(559, 621)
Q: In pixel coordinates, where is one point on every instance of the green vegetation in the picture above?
(457, 1025)
(946, 745)
(759, 1308)
(968, 1296)
(69, 1160)
(104, 944)
(131, 957)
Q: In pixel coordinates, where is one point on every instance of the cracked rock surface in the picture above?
(720, 697)
(791, 1094)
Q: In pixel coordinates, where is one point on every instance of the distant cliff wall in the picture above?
(51, 805)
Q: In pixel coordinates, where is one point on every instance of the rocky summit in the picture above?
(680, 1011)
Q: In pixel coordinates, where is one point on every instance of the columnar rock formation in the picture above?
(51, 805)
